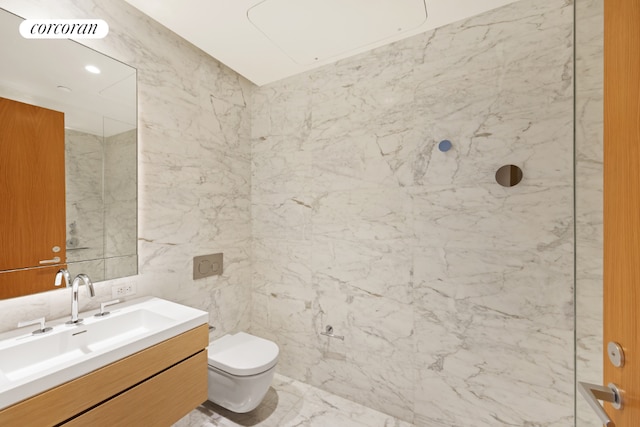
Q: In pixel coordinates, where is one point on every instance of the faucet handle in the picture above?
(39, 320)
(105, 304)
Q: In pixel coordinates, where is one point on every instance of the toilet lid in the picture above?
(242, 354)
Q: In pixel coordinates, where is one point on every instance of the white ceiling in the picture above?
(100, 104)
(268, 40)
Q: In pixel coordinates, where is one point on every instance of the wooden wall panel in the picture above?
(32, 185)
(16, 283)
(622, 202)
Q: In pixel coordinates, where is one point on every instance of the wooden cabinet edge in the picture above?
(65, 401)
(160, 401)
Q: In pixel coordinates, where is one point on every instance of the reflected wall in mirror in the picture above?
(99, 216)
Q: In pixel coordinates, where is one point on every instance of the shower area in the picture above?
(462, 302)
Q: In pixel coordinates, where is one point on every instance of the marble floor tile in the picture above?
(290, 403)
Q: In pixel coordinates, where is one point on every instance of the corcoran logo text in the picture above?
(64, 28)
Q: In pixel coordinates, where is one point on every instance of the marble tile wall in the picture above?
(454, 294)
(85, 208)
(120, 203)
(101, 213)
(120, 193)
(194, 168)
(84, 157)
(589, 232)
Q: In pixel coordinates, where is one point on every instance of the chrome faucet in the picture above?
(75, 287)
(67, 278)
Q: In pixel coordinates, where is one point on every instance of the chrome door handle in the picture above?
(592, 393)
(54, 260)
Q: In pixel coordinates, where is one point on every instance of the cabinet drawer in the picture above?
(160, 401)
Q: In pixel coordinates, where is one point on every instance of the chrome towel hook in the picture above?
(329, 333)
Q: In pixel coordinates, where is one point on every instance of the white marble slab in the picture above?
(290, 403)
(442, 282)
(193, 169)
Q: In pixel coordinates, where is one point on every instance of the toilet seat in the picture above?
(242, 354)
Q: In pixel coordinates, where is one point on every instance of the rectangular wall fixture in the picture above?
(207, 265)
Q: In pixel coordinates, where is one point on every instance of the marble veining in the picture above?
(290, 403)
(193, 163)
(455, 295)
(84, 157)
(589, 208)
(332, 205)
(101, 204)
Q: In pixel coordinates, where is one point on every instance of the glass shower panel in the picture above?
(589, 31)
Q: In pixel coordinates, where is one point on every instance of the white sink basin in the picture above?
(30, 364)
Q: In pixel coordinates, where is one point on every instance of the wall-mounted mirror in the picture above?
(100, 154)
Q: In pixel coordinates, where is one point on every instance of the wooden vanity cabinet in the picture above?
(154, 387)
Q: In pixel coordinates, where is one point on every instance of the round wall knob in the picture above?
(509, 175)
(444, 145)
(616, 354)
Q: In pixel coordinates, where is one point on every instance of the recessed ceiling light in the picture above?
(64, 88)
(92, 69)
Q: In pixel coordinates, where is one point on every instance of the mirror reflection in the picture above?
(509, 175)
(98, 219)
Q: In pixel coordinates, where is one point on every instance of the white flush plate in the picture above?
(310, 31)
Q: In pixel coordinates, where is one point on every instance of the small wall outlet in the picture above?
(124, 290)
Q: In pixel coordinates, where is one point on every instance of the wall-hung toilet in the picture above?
(241, 368)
